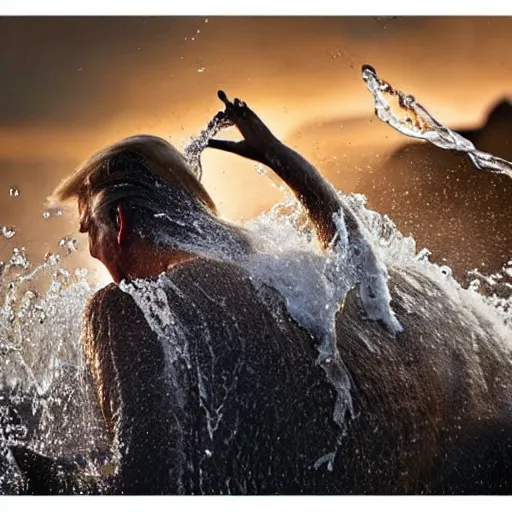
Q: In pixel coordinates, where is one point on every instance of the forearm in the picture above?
(314, 192)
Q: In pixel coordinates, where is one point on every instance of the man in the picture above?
(207, 383)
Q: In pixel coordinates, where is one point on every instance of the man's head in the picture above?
(126, 192)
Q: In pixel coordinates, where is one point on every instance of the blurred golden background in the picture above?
(72, 85)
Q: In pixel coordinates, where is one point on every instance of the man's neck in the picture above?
(147, 261)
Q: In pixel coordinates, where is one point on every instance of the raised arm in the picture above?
(314, 192)
(321, 201)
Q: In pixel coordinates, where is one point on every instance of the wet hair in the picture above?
(128, 161)
(152, 180)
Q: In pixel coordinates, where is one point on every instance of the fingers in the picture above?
(240, 148)
(238, 104)
(248, 123)
(220, 115)
(222, 97)
(224, 145)
(222, 120)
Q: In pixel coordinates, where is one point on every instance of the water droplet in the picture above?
(260, 169)
(198, 32)
(14, 191)
(201, 69)
(69, 244)
(19, 258)
(52, 259)
(59, 279)
(206, 20)
(8, 232)
(52, 212)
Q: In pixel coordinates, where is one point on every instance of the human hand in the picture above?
(258, 143)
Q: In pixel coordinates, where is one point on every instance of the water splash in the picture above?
(14, 192)
(152, 301)
(352, 261)
(52, 212)
(419, 124)
(41, 367)
(195, 146)
(8, 232)
(313, 284)
(46, 401)
(68, 244)
(42, 373)
(495, 289)
(19, 258)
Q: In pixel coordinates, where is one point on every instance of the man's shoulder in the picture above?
(108, 299)
(107, 293)
(218, 275)
(211, 266)
(222, 275)
(214, 288)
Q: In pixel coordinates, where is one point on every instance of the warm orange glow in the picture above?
(98, 274)
(301, 75)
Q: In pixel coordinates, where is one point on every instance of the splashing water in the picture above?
(352, 262)
(420, 124)
(46, 401)
(495, 289)
(42, 372)
(195, 146)
(314, 285)
(68, 244)
(14, 192)
(8, 232)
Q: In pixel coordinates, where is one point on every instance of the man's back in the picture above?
(223, 393)
(237, 396)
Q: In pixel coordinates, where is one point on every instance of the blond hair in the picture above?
(152, 179)
(161, 157)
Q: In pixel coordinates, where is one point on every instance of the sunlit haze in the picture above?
(73, 85)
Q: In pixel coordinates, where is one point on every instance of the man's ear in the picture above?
(123, 225)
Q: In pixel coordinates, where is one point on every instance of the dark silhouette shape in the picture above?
(230, 398)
